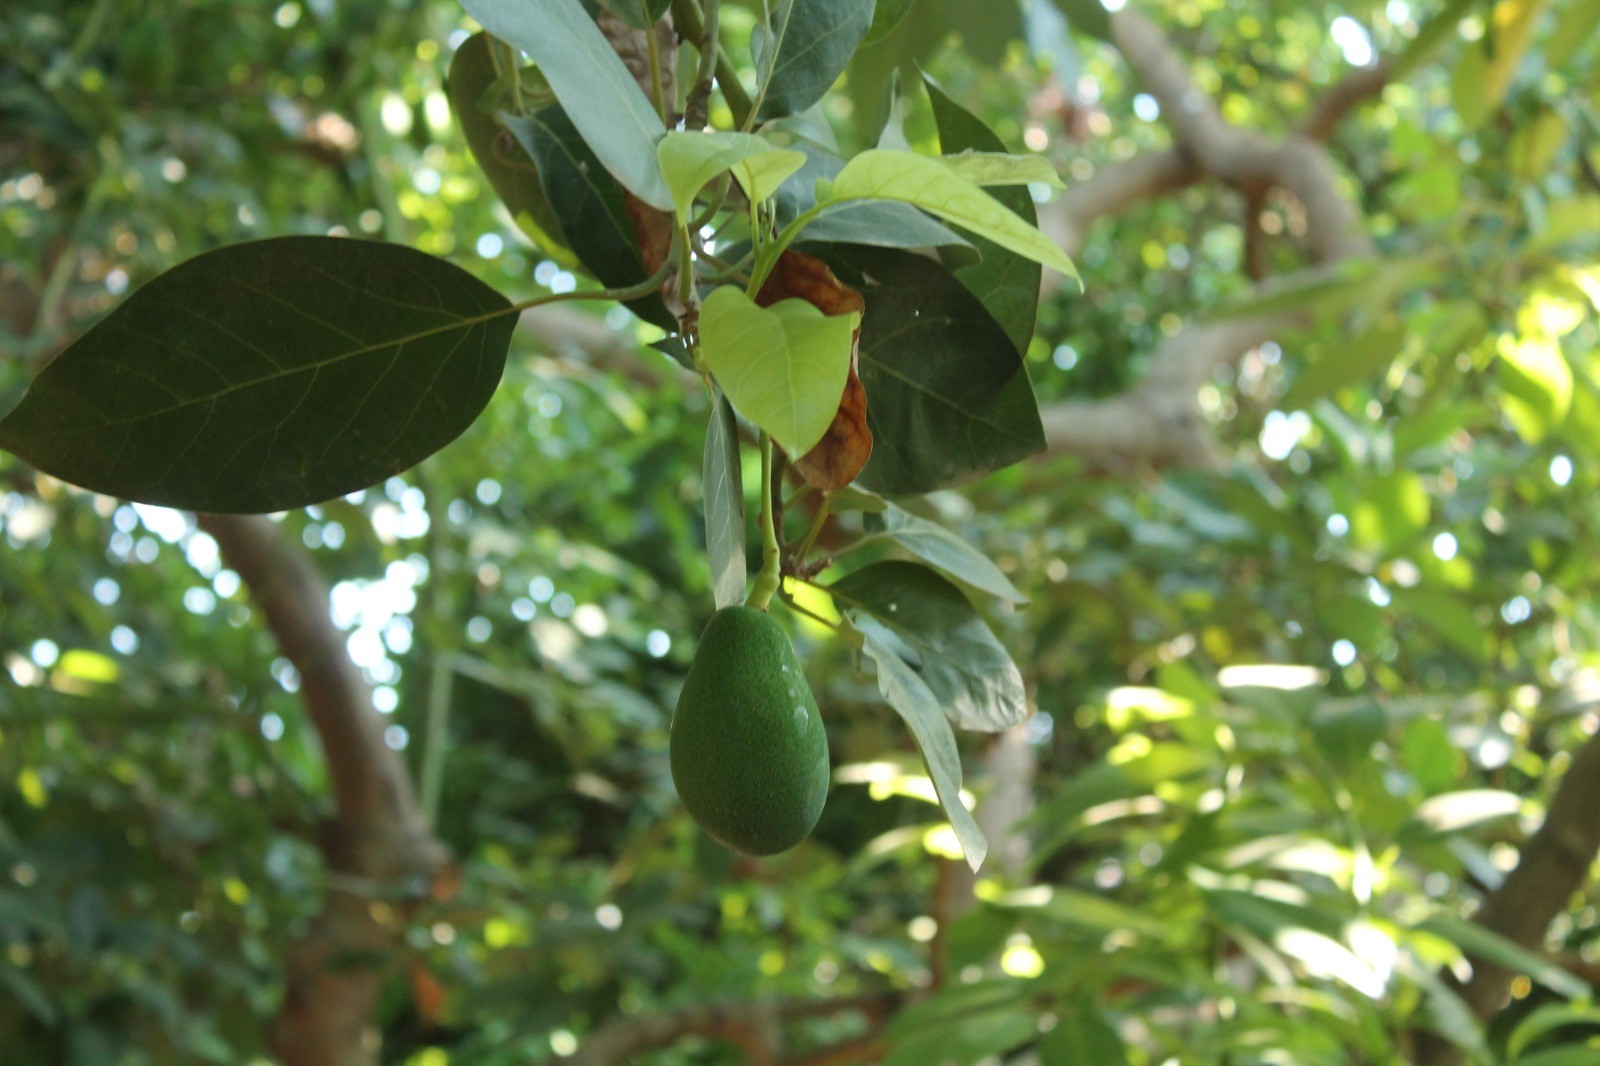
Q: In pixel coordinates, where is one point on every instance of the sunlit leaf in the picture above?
(919, 707)
(689, 159)
(885, 174)
(784, 366)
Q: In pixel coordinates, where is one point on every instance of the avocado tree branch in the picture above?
(1158, 421)
(1555, 863)
(381, 855)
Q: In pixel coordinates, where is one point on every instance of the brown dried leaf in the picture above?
(844, 449)
(652, 231)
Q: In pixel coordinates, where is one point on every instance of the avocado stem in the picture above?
(771, 565)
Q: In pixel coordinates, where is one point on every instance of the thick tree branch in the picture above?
(1555, 864)
(754, 1025)
(380, 853)
(1158, 421)
(1359, 86)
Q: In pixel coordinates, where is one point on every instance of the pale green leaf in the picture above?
(692, 158)
(885, 174)
(783, 366)
(911, 698)
(1003, 168)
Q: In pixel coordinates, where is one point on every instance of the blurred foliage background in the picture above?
(1296, 714)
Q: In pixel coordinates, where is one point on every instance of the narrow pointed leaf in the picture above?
(269, 375)
(594, 87)
(803, 49)
(724, 493)
(919, 707)
(968, 670)
(945, 552)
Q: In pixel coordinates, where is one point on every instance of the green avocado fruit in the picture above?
(749, 752)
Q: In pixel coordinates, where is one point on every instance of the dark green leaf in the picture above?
(505, 163)
(919, 707)
(724, 495)
(269, 375)
(1007, 283)
(949, 398)
(590, 203)
(967, 669)
(1081, 1036)
(594, 88)
(803, 49)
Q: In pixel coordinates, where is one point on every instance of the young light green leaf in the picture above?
(945, 552)
(1003, 168)
(968, 670)
(691, 158)
(1538, 384)
(595, 89)
(919, 707)
(269, 375)
(783, 366)
(724, 496)
(885, 174)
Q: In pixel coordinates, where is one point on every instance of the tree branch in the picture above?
(1555, 863)
(379, 851)
(1158, 421)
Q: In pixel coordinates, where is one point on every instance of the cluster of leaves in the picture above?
(277, 373)
(1288, 839)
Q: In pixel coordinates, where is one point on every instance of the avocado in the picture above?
(749, 751)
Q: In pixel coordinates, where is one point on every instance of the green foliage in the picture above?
(749, 751)
(1221, 866)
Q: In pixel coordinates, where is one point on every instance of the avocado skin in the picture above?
(749, 750)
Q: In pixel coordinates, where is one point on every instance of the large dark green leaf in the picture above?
(503, 162)
(269, 375)
(591, 205)
(969, 671)
(916, 703)
(948, 397)
(1007, 283)
(605, 103)
(880, 223)
(724, 496)
(803, 48)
